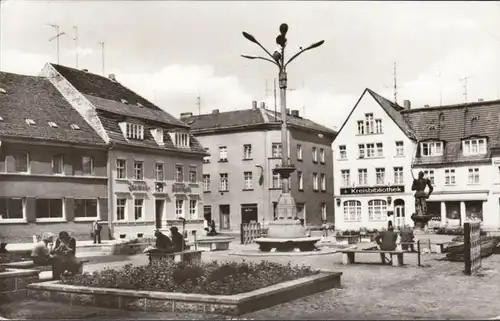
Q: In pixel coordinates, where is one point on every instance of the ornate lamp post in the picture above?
(286, 205)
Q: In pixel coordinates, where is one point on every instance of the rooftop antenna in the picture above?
(102, 56)
(57, 36)
(440, 89)
(76, 45)
(395, 85)
(198, 103)
(275, 106)
(464, 84)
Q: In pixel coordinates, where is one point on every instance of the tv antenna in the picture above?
(464, 85)
(198, 103)
(76, 45)
(395, 85)
(102, 56)
(57, 36)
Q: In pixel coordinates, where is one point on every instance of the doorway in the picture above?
(249, 213)
(207, 213)
(159, 208)
(399, 213)
(224, 215)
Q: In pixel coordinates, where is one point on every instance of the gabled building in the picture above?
(53, 173)
(244, 147)
(154, 163)
(381, 143)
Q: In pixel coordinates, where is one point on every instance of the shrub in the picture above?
(216, 278)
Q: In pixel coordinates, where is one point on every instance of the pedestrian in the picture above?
(324, 228)
(407, 238)
(96, 231)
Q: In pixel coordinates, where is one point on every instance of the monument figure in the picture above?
(421, 217)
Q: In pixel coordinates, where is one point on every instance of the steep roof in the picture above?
(30, 97)
(112, 96)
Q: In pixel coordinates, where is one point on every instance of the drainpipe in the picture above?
(110, 192)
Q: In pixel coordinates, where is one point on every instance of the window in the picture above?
(400, 150)
(323, 211)
(49, 208)
(315, 181)
(179, 174)
(193, 209)
(222, 154)
(248, 180)
(11, 208)
(323, 182)
(473, 175)
(30, 121)
(449, 177)
(276, 180)
(380, 150)
(206, 183)
(134, 131)
(429, 173)
(352, 211)
(363, 176)
(87, 165)
(121, 205)
(121, 169)
(247, 151)
(369, 123)
(57, 164)
(361, 151)
(315, 155)
(159, 172)
(361, 127)
(179, 208)
(74, 126)
(52, 124)
(342, 152)
(377, 210)
(398, 175)
(276, 150)
(21, 161)
(158, 136)
(322, 155)
(224, 183)
(380, 176)
(378, 126)
(474, 146)
(181, 139)
(138, 208)
(206, 159)
(138, 170)
(86, 208)
(346, 178)
(432, 149)
(370, 150)
(193, 175)
(300, 181)
(299, 152)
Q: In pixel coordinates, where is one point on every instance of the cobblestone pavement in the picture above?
(438, 290)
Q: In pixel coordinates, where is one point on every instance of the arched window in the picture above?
(352, 211)
(377, 210)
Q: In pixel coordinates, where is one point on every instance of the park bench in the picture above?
(396, 256)
(214, 243)
(190, 256)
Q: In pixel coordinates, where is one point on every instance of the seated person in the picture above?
(212, 232)
(65, 256)
(3, 248)
(178, 239)
(407, 236)
(41, 252)
(386, 240)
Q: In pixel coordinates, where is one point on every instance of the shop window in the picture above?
(474, 210)
(352, 211)
(377, 210)
(453, 210)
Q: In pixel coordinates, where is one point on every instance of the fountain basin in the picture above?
(421, 220)
(303, 244)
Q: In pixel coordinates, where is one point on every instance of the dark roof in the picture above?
(239, 119)
(30, 97)
(110, 95)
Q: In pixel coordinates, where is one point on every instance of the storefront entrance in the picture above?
(399, 213)
(249, 213)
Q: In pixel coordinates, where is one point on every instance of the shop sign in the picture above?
(181, 188)
(372, 190)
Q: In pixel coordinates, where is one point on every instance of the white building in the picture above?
(455, 146)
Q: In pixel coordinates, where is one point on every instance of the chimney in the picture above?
(407, 104)
(254, 104)
(426, 106)
(215, 112)
(85, 70)
(112, 77)
(288, 111)
(186, 115)
(295, 113)
(262, 105)
(480, 99)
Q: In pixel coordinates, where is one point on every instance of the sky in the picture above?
(171, 52)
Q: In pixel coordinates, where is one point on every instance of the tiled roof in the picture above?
(112, 96)
(452, 124)
(248, 117)
(29, 97)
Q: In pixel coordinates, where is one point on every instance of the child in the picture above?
(324, 228)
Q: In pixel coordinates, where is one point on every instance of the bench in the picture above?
(29, 265)
(214, 244)
(191, 256)
(348, 256)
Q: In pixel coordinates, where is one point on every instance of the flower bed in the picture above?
(201, 278)
(14, 283)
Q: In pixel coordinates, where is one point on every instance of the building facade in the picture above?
(382, 144)
(52, 163)
(154, 163)
(244, 147)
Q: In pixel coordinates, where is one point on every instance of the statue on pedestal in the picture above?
(421, 218)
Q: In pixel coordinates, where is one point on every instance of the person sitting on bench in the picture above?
(41, 252)
(65, 256)
(386, 240)
(212, 232)
(407, 236)
(164, 243)
(178, 239)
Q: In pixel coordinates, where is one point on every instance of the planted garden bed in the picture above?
(222, 288)
(14, 283)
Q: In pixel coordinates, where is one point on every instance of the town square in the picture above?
(249, 160)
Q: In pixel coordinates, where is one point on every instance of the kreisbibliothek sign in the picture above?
(372, 190)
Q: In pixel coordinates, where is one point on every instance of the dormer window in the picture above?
(30, 121)
(180, 139)
(134, 131)
(124, 101)
(3, 91)
(52, 124)
(139, 105)
(1, 118)
(431, 149)
(74, 126)
(476, 146)
(157, 134)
